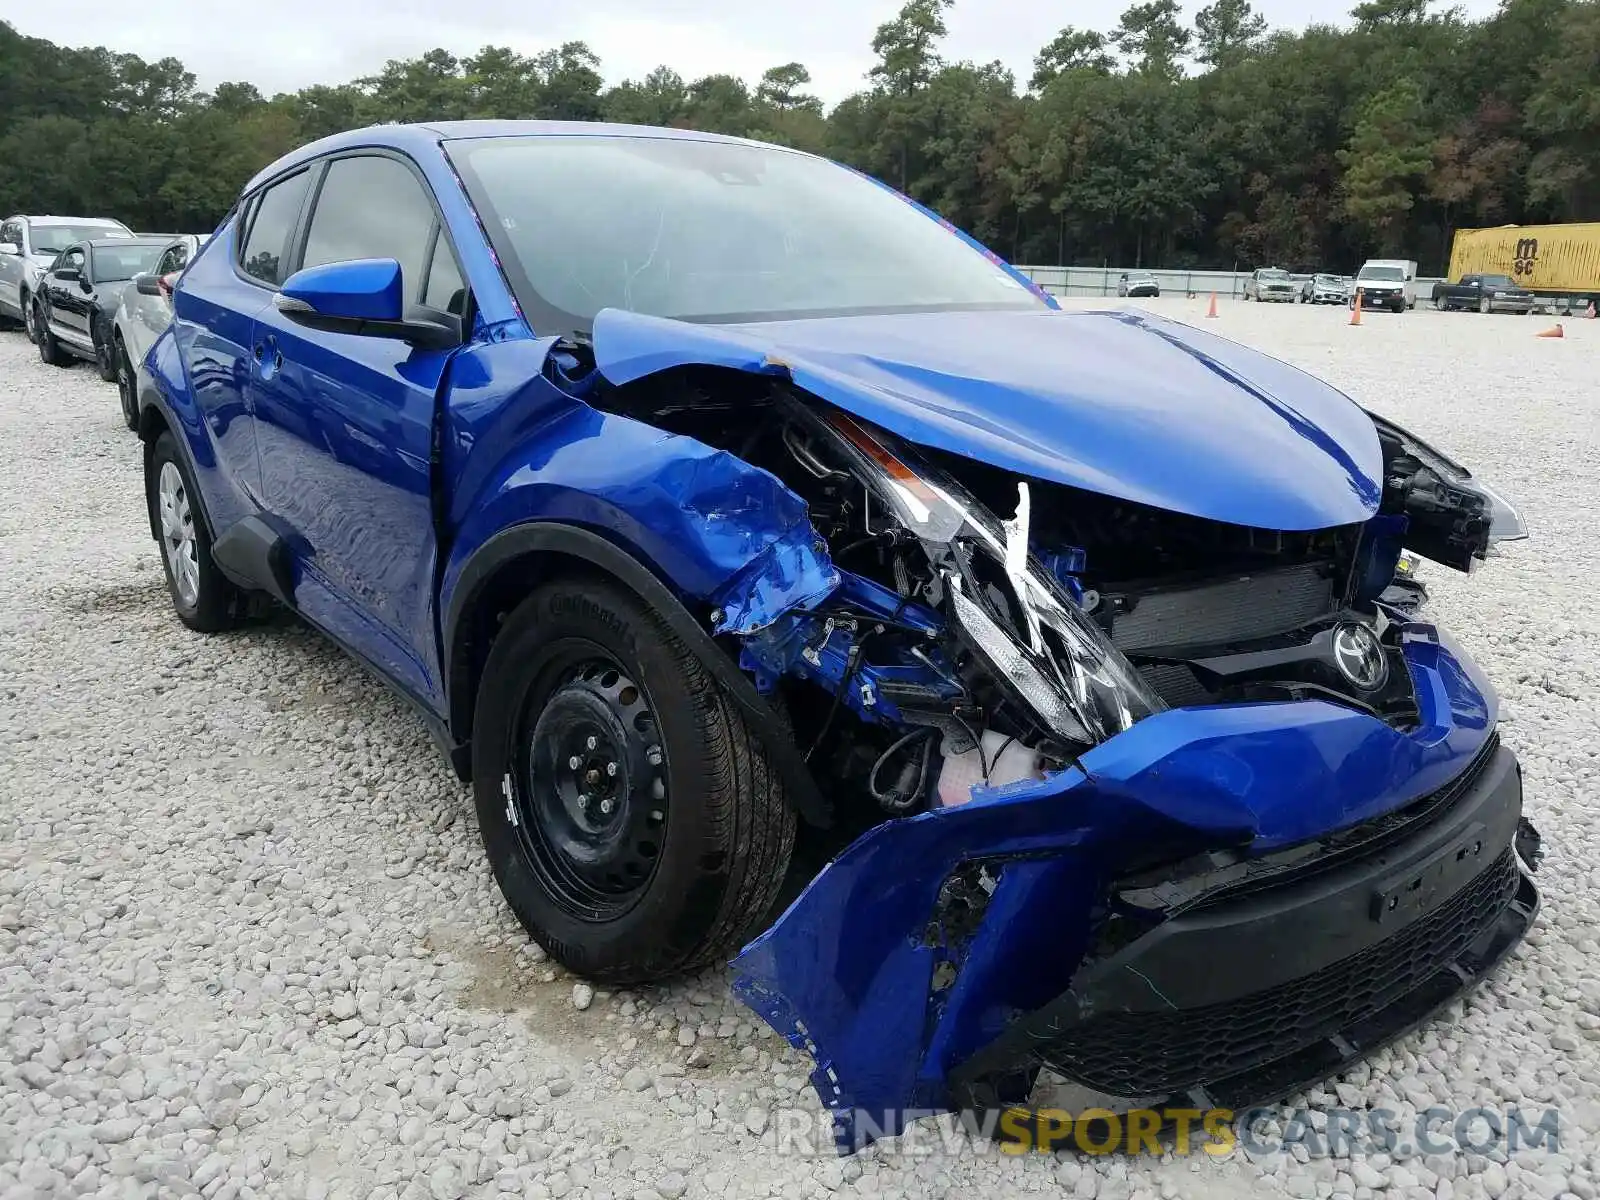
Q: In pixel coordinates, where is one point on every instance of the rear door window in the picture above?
(272, 221)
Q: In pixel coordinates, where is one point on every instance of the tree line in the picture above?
(1156, 143)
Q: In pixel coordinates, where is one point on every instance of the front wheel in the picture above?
(633, 821)
(27, 316)
(1440, 303)
(1483, 305)
(127, 387)
(50, 350)
(202, 596)
(105, 361)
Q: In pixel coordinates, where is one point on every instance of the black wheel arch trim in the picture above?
(149, 397)
(572, 541)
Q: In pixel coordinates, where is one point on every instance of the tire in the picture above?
(1440, 303)
(49, 349)
(1483, 306)
(691, 858)
(127, 385)
(104, 358)
(202, 596)
(26, 301)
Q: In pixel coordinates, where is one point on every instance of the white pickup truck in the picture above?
(1386, 283)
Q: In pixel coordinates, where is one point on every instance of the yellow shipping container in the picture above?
(1550, 260)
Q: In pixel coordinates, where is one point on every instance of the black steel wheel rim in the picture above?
(589, 800)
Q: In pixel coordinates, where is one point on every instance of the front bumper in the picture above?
(1256, 987)
(1280, 296)
(942, 959)
(1513, 304)
(1372, 299)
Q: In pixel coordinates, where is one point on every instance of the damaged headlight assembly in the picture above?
(1039, 646)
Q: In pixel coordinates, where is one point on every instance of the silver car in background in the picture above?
(1326, 289)
(1271, 283)
(1138, 283)
(144, 312)
(28, 245)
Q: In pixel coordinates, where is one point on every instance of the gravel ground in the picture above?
(249, 946)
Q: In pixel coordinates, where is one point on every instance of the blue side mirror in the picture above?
(364, 289)
(364, 297)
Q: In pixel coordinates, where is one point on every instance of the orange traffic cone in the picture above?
(1355, 313)
(1212, 311)
(1554, 331)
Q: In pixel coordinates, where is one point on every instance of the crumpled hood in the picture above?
(1126, 404)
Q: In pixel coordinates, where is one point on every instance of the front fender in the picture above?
(530, 468)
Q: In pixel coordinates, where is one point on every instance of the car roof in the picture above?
(418, 138)
(106, 222)
(128, 241)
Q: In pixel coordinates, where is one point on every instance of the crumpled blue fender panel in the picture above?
(1126, 404)
(519, 449)
(847, 972)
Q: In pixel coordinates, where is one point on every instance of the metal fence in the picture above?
(1102, 281)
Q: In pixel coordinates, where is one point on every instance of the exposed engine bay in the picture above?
(977, 627)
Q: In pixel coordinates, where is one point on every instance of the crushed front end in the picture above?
(1158, 805)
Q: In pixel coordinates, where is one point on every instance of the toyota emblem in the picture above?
(1359, 656)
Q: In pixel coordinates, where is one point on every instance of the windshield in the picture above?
(1394, 274)
(1327, 279)
(53, 239)
(1499, 281)
(1274, 274)
(112, 263)
(711, 231)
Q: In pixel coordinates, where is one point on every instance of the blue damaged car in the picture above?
(1018, 696)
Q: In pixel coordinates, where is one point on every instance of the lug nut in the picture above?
(653, 756)
(611, 769)
(605, 806)
(591, 743)
(574, 762)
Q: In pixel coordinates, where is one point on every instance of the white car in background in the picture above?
(144, 312)
(28, 245)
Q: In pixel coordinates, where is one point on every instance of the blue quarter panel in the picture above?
(202, 368)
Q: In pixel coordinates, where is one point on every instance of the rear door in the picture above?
(346, 425)
(213, 325)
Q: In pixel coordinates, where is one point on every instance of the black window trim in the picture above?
(248, 211)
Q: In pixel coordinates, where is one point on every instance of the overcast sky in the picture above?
(332, 41)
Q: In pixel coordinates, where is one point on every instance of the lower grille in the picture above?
(1162, 1053)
